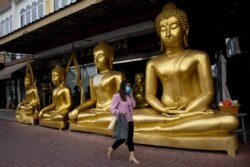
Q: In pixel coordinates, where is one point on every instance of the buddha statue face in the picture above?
(171, 32)
(139, 78)
(103, 56)
(101, 60)
(28, 81)
(58, 74)
(172, 22)
(56, 78)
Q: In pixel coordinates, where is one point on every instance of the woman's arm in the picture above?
(114, 103)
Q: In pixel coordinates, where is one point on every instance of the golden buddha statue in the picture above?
(139, 91)
(95, 111)
(182, 117)
(56, 114)
(27, 110)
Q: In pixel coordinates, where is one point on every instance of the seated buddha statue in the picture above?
(27, 110)
(139, 91)
(187, 91)
(56, 114)
(102, 87)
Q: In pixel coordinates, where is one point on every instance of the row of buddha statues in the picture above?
(28, 110)
(181, 117)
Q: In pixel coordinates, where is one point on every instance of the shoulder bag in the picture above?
(121, 127)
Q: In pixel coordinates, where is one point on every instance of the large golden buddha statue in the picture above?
(56, 114)
(93, 114)
(27, 110)
(182, 117)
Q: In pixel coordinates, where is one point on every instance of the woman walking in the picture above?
(123, 103)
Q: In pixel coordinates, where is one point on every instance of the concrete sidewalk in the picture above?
(8, 114)
(27, 146)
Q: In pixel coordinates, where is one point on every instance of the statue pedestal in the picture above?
(223, 142)
(23, 118)
(227, 142)
(90, 128)
(54, 124)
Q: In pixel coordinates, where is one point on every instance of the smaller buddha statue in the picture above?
(27, 110)
(139, 91)
(102, 86)
(56, 114)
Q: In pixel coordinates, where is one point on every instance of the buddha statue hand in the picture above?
(176, 111)
(170, 117)
(99, 110)
(40, 115)
(73, 114)
(173, 110)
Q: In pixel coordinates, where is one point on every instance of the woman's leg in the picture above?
(130, 140)
(130, 143)
(117, 143)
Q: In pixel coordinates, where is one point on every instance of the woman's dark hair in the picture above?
(122, 89)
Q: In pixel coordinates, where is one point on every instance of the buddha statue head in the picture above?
(168, 11)
(58, 75)
(139, 78)
(105, 53)
(28, 80)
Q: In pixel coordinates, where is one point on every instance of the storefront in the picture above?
(131, 56)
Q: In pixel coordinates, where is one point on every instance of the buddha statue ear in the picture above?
(185, 37)
(162, 47)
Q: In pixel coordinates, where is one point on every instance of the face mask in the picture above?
(127, 89)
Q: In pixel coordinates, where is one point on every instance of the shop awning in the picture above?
(7, 71)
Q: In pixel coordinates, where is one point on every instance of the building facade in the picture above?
(15, 15)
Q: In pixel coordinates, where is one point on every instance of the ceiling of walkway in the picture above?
(209, 20)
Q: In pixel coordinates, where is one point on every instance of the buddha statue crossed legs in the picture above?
(187, 91)
(56, 114)
(103, 85)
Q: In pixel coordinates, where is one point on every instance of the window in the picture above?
(34, 11)
(11, 24)
(2, 28)
(40, 9)
(62, 3)
(22, 17)
(232, 46)
(28, 15)
(6, 26)
(56, 5)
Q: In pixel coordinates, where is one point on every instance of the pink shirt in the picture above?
(118, 105)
